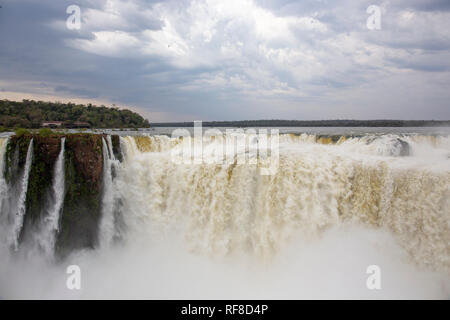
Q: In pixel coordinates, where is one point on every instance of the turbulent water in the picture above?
(19, 208)
(333, 206)
(231, 207)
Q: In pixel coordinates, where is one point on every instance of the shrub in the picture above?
(21, 131)
(45, 132)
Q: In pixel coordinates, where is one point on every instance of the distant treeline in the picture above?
(31, 114)
(312, 123)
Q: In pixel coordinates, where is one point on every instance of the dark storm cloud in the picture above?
(230, 60)
(424, 5)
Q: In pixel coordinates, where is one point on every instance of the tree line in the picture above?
(31, 114)
(312, 123)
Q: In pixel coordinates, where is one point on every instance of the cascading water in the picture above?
(110, 148)
(18, 215)
(50, 224)
(334, 205)
(317, 185)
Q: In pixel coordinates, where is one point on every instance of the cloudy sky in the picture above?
(232, 59)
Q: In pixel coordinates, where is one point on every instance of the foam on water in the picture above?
(334, 207)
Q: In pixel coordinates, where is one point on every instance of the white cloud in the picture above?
(206, 33)
(109, 43)
(250, 50)
(250, 54)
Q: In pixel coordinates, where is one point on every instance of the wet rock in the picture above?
(403, 147)
(82, 203)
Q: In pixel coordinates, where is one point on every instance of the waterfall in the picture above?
(21, 205)
(3, 185)
(342, 201)
(393, 181)
(50, 224)
(110, 148)
(107, 223)
(226, 208)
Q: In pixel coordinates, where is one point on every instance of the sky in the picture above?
(232, 60)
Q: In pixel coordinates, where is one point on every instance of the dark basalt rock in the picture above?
(16, 154)
(115, 139)
(83, 164)
(45, 154)
(81, 210)
(82, 203)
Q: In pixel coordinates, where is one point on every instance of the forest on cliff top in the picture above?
(30, 114)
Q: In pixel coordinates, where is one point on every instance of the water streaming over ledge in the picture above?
(396, 183)
(3, 184)
(389, 181)
(19, 212)
(50, 225)
(108, 224)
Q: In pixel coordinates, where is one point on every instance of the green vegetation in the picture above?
(45, 132)
(30, 114)
(21, 131)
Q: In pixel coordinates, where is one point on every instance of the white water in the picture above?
(46, 236)
(19, 214)
(107, 222)
(110, 147)
(3, 185)
(224, 208)
(224, 231)
(333, 266)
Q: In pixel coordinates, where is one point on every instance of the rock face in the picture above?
(16, 153)
(82, 203)
(83, 170)
(115, 140)
(45, 153)
(88, 157)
